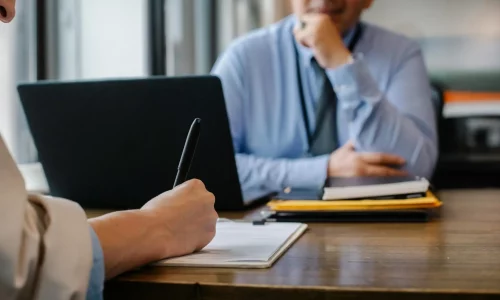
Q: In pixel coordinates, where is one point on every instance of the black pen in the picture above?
(188, 152)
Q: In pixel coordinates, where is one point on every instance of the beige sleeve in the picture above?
(45, 246)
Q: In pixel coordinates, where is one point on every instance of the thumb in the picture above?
(349, 146)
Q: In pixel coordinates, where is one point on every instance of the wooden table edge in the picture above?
(348, 289)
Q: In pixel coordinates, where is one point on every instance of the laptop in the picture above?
(116, 144)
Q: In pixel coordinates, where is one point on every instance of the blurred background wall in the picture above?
(92, 39)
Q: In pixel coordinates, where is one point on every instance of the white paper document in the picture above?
(243, 245)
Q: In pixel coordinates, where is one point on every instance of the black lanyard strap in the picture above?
(352, 45)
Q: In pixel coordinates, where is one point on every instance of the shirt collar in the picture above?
(307, 54)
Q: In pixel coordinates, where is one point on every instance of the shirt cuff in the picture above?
(308, 173)
(96, 280)
(354, 85)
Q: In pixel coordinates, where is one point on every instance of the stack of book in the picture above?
(359, 198)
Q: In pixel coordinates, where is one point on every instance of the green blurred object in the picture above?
(484, 81)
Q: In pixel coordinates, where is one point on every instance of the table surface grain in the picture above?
(456, 255)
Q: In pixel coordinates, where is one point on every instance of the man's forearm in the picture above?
(386, 130)
(276, 174)
(377, 125)
(129, 239)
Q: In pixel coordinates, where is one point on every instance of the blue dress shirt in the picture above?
(384, 105)
(96, 280)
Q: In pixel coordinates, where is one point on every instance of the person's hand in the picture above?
(346, 162)
(188, 217)
(321, 35)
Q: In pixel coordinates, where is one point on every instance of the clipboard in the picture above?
(369, 210)
(399, 216)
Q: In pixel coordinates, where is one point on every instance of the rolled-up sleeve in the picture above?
(400, 120)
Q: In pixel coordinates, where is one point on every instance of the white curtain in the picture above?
(17, 64)
(192, 45)
(237, 17)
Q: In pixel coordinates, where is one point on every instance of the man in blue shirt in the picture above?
(322, 94)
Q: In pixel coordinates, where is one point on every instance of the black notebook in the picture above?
(337, 188)
(413, 215)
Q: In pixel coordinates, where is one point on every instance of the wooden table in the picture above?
(457, 257)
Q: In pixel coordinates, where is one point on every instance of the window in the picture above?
(17, 64)
(92, 39)
(199, 30)
(456, 36)
(101, 39)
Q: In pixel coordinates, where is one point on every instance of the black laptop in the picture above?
(116, 144)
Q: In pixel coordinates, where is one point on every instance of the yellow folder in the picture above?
(428, 202)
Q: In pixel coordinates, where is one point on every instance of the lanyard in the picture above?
(352, 45)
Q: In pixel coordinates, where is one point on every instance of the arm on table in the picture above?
(128, 239)
(400, 122)
(258, 172)
(175, 223)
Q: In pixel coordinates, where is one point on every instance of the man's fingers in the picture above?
(381, 159)
(349, 145)
(302, 36)
(308, 23)
(299, 33)
(306, 29)
(312, 17)
(370, 170)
